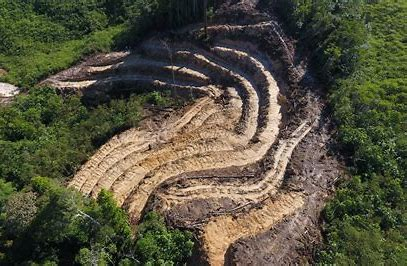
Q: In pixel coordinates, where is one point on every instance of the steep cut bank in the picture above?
(254, 109)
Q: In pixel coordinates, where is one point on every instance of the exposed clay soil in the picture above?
(246, 166)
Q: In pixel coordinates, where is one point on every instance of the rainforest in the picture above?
(211, 132)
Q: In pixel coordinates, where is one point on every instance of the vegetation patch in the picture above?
(42, 37)
(29, 68)
(39, 38)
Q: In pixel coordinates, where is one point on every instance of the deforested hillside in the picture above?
(223, 158)
(217, 133)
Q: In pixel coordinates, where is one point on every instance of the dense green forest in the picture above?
(360, 49)
(46, 36)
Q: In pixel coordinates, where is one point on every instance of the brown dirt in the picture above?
(313, 171)
(3, 72)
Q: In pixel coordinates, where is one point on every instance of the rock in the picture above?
(7, 92)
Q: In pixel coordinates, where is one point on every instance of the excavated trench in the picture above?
(218, 166)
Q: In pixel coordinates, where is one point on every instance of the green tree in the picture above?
(156, 245)
(20, 211)
(6, 190)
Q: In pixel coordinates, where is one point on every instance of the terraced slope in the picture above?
(240, 118)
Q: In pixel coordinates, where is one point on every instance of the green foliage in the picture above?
(157, 98)
(47, 36)
(366, 223)
(53, 224)
(41, 37)
(19, 212)
(333, 30)
(146, 15)
(156, 245)
(6, 189)
(108, 212)
(45, 59)
(78, 17)
(43, 134)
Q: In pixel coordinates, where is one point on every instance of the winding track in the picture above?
(238, 130)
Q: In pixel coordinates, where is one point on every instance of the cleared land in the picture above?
(219, 165)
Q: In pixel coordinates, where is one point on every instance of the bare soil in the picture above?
(314, 171)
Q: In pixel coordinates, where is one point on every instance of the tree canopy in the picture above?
(47, 36)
